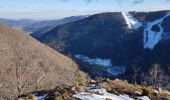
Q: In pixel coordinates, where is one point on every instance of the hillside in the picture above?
(27, 65)
(125, 39)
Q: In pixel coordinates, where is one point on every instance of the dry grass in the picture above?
(122, 87)
(30, 65)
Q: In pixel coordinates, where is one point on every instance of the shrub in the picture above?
(58, 98)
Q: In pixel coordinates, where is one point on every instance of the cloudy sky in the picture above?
(55, 9)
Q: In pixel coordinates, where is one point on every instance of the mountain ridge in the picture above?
(30, 26)
(107, 36)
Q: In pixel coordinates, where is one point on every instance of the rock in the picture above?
(108, 80)
(56, 93)
(92, 81)
(156, 92)
(60, 90)
(138, 93)
(160, 90)
(65, 86)
(63, 92)
(93, 85)
(125, 81)
(108, 99)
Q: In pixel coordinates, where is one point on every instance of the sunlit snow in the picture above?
(132, 22)
(152, 38)
(102, 94)
(112, 70)
(143, 98)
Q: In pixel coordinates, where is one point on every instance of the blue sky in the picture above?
(55, 9)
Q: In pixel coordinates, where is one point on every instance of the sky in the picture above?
(56, 9)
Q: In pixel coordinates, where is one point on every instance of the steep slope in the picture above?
(155, 29)
(27, 65)
(109, 36)
(132, 22)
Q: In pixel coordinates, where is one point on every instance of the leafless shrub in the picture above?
(157, 78)
(135, 71)
(27, 65)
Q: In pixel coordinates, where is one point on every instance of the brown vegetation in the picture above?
(117, 87)
(122, 87)
(27, 65)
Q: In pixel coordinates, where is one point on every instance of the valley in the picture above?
(121, 55)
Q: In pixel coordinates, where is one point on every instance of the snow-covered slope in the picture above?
(152, 38)
(109, 67)
(132, 22)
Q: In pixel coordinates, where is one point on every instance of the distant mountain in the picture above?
(38, 27)
(17, 23)
(27, 65)
(134, 38)
(42, 27)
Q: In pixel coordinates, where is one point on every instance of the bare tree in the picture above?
(154, 72)
(135, 73)
(26, 75)
(156, 78)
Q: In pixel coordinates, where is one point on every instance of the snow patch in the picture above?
(96, 61)
(152, 38)
(132, 22)
(88, 87)
(102, 94)
(143, 98)
(113, 70)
